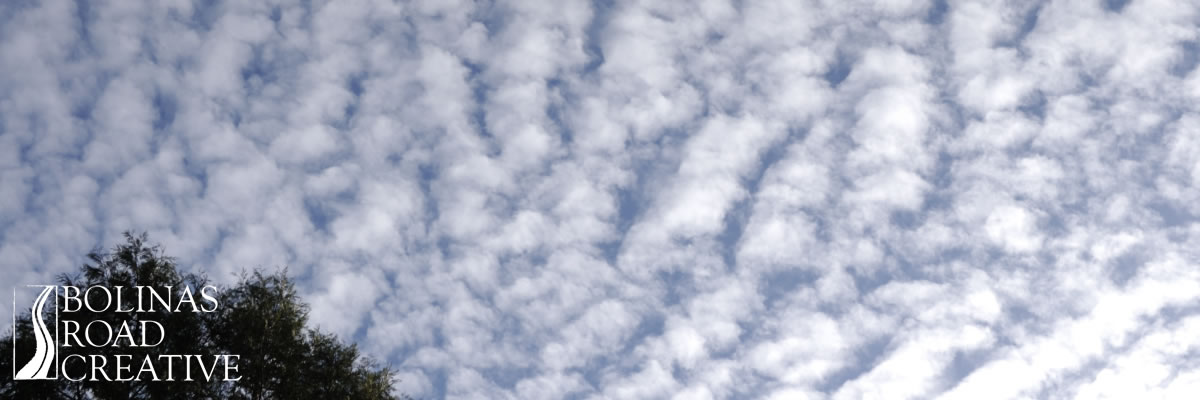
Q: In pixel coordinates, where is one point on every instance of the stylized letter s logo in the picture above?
(43, 358)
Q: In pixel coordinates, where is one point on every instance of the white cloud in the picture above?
(638, 199)
(1013, 228)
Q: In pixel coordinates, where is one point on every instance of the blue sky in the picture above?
(645, 199)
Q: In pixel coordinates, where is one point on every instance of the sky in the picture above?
(821, 199)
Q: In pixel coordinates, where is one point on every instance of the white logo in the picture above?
(80, 337)
(45, 358)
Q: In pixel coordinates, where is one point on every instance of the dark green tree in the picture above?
(283, 359)
(261, 319)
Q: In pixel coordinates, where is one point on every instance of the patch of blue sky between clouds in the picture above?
(641, 199)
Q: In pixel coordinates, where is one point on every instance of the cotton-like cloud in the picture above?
(638, 199)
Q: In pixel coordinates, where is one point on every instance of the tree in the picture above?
(284, 360)
(261, 318)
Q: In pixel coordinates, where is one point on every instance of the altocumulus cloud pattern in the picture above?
(645, 199)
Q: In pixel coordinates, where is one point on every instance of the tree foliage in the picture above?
(261, 318)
